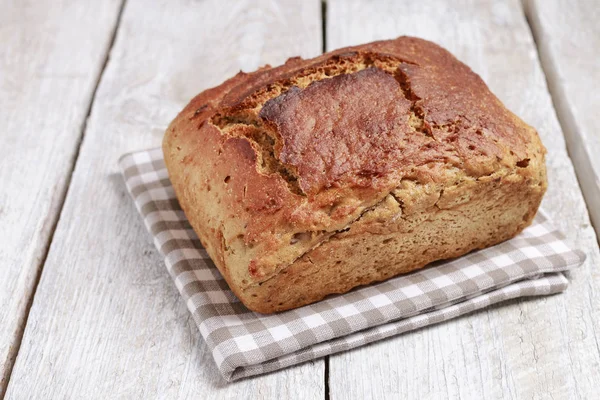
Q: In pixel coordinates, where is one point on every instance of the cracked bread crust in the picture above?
(322, 175)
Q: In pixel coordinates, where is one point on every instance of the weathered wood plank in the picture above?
(527, 349)
(568, 39)
(107, 321)
(51, 58)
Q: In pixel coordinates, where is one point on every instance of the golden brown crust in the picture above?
(276, 168)
(345, 131)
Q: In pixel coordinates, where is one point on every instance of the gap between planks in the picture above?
(63, 195)
(326, 376)
(580, 165)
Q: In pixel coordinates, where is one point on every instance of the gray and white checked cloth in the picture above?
(244, 343)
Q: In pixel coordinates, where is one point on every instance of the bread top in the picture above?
(270, 164)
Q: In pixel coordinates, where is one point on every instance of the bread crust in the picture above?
(361, 164)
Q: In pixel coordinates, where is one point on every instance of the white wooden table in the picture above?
(87, 309)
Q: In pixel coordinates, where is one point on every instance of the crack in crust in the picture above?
(417, 117)
(326, 237)
(338, 64)
(393, 194)
(244, 119)
(263, 139)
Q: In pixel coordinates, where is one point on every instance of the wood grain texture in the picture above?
(568, 39)
(107, 320)
(51, 58)
(542, 348)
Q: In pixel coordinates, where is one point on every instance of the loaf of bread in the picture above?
(321, 175)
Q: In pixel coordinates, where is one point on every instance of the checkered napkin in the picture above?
(244, 343)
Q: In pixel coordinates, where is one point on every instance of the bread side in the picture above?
(325, 174)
